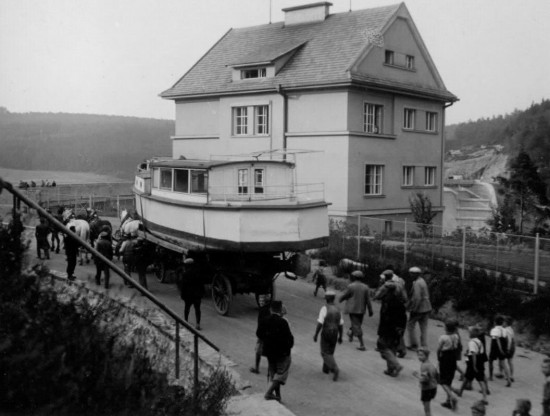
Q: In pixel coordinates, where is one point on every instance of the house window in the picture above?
(429, 176)
(199, 181)
(372, 121)
(244, 125)
(409, 117)
(181, 180)
(258, 181)
(431, 121)
(408, 175)
(261, 125)
(240, 121)
(166, 179)
(388, 57)
(409, 61)
(253, 73)
(373, 179)
(243, 181)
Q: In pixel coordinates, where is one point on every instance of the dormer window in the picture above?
(409, 61)
(388, 59)
(253, 73)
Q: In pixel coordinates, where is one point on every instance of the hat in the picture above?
(358, 274)
(415, 270)
(188, 260)
(330, 293)
(103, 234)
(387, 272)
(479, 406)
(277, 306)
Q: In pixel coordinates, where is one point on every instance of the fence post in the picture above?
(462, 274)
(536, 282)
(358, 237)
(118, 206)
(177, 350)
(405, 247)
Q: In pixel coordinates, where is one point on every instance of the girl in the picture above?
(448, 350)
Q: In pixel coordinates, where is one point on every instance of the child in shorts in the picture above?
(475, 363)
(428, 377)
(320, 278)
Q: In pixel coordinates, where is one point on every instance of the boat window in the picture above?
(166, 178)
(181, 180)
(243, 181)
(258, 181)
(199, 181)
(156, 178)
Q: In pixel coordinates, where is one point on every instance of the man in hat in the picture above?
(277, 343)
(191, 289)
(330, 324)
(358, 300)
(104, 247)
(419, 307)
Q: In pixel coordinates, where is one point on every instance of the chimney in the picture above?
(307, 13)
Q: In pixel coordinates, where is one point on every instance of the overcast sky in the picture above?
(116, 56)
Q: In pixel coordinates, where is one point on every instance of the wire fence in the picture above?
(409, 243)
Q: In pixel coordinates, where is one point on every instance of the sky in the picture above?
(115, 57)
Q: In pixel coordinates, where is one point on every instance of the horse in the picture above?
(128, 225)
(82, 229)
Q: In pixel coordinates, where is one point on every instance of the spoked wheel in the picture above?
(222, 294)
(161, 272)
(268, 295)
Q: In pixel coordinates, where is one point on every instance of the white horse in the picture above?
(82, 229)
(128, 225)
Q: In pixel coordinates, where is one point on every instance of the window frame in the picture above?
(389, 57)
(408, 176)
(259, 185)
(430, 175)
(250, 120)
(162, 185)
(409, 62)
(254, 73)
(431, 121)
(240, 120)
(243, 181)
(377, 124)
(261, 120)
(376, 182)
(409, 118)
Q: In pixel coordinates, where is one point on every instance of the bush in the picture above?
(61, 358)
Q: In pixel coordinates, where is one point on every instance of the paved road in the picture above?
(362, 389)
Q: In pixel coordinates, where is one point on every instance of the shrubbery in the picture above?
(60, 357)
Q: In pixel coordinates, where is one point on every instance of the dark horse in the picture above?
(97, 225)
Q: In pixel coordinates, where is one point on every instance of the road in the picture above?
(362, 389)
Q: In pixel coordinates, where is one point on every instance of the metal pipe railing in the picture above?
(18, 197)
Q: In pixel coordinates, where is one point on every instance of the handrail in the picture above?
(60, 227)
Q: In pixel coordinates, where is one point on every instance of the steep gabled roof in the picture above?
(323, 54)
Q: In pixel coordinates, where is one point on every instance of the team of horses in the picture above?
(88, 226)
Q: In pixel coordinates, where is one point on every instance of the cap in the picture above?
(358, 274)
(188, 260)
(103, 234)
(479, 406)
(387, 272)
(330, 293)
(415, 270)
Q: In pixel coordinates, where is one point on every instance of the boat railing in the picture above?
(278, 194)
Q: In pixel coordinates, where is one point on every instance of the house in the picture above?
(358, 89)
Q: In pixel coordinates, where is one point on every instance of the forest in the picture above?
(111, 145)
(527, 130)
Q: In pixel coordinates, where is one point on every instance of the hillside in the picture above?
(481, 149)
(106, 145)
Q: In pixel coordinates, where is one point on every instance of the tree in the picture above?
(503, 217)
(421, 208)
(524, 189)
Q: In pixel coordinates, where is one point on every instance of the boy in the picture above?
(499, 349)
(428, 379)
(475, 363)
(319, 277)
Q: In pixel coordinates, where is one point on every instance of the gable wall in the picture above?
(398, 38)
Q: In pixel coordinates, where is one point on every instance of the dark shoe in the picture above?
(512, 379)
(325, 369)
(253, 370)
(361, 348)
(271, 397)
(485, 402)
(336, 374)
(499, 375)
(508, 383)
(198, 327)
(397, 370)
(447, 405)
(454, 405)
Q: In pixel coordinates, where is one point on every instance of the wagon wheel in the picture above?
(161, 272)
(270, 293)
(222, 294)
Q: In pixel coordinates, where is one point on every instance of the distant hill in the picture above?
(106, 145)
(480, 149)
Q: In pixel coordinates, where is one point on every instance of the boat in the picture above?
(245, 203)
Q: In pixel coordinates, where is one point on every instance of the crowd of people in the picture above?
(32, 184)
(404, 306)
